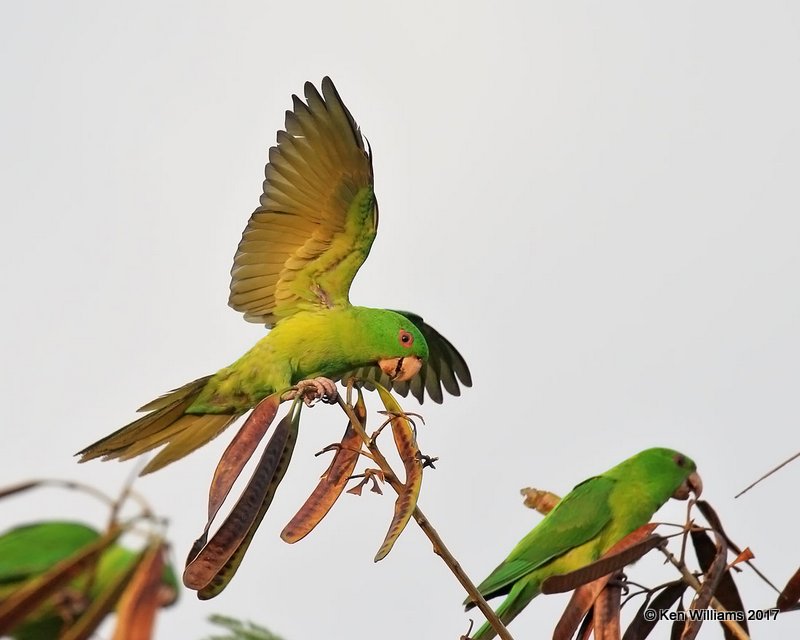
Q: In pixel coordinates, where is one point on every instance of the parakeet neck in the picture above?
(328, 343)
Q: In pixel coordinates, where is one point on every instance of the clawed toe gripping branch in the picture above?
(312, 390)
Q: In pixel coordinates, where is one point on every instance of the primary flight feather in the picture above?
(292, 271)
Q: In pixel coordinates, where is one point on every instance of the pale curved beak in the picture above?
(401, 369)
(692, 484)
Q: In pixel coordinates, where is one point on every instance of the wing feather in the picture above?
(578, 518)
(317, 216)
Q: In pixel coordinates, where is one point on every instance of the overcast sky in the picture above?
(596, 202)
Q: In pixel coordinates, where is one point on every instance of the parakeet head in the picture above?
(393, 341)
(671, 472)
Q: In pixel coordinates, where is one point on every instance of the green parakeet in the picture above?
(293, 269)
(585, 524)
(30, 550)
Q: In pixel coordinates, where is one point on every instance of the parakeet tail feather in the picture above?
(521, 594)
(165, 423)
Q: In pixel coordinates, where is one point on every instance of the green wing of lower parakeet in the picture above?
(31, 549)
(318, 215)
(444, 367)
(575, 520)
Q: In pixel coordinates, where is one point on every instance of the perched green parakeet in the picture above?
(587, 522)
(28, 551)
(293, 269)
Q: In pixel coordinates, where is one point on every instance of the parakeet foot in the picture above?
(312, 390)
(620, 580)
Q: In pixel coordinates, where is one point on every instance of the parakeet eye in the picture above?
(406, 339)
(680, 460)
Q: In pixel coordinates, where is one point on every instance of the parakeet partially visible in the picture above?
(585, 524)
(28, 551)
(293, 269)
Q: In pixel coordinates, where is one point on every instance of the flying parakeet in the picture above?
(586, 523)
(298, 255)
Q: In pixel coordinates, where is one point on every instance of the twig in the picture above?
(439, 547)
(128, 492)
(767, 475)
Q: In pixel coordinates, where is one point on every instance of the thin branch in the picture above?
(126, 492)
(767, 475)
(439, 547)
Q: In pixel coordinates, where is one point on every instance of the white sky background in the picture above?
(597, 204)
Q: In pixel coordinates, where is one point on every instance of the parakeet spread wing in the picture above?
(444, 367)
(578, 518)
(318, 215)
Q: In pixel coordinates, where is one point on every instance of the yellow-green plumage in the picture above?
(305, 345)
(292, 271)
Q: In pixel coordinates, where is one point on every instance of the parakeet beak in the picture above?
(692, 484)
(401, 369)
